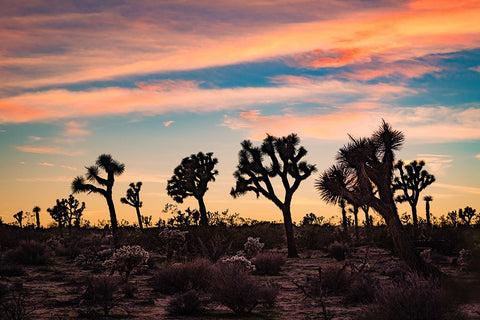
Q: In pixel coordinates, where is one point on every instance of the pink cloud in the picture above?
(46, 164)
(168, 123)
(75, 128)
(477, 156)
(168, 85)
(45, 150)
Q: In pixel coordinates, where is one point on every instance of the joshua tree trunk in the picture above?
(287, 222)
(37, 216)
(355, 215)
(414, 216)
(427, 213)
(111, 209)
(139, 216)
(203, 212)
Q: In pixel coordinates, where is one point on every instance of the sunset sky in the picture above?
(151, 82)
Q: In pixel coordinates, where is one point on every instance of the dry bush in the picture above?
(237, 290)
(362, 289)
(28, 252)
(182, 277)
(186, 304)
(101, 291)
(268, 263)
(415, 298)
(338, 250)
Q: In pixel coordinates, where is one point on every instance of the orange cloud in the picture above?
(168, 85)
(168, 123)
(46, 164)
(74, 128)
(45, 150)
(60, 104)
(477, 156)
(357, 34)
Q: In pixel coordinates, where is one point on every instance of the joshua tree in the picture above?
(191, 178)
(112, 168)
(257, 167)
(59, 214)
(467, 214)
(343, 205)
(364, 165)
(73, 210)
(19, 217)
(36, 210)
(354, 211)
(412, 180)
(133, 199)
(427, 200)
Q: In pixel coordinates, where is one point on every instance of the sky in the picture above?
(151, 82)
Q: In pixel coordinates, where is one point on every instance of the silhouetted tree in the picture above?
(133, 199)
(467, 215)
(452, 218)
(112, 168)
(364, 165)
(73, 211)
(412, 180)
(427, 200)
(37, 210)
(311, 218)
(59, 214)
(354, 211)
(343, 205)
(276, 157)
(19, 217)
(191, 178)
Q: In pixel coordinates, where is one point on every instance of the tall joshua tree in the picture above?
(112, 168)
(191, 177)
(276, 157)
(364, 165)
(427, 200)
(37, 210)
(467, 215)
(412, 180)
(19, 217)
(133, 199)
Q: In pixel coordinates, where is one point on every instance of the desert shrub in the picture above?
(252, 247)
(101, 291)
(173, 241)
(241, 262)
(335, 280)
(338, 250)
(237, 290)
(28, 252)
(470, 259)
(186, 304)
(268, 263)
(362, 289)
(182, 277)
(268, 294)
(14, 305)
(8, 269)
(125, 259)
(3, 289)
(215, 246)
(91, 259)
(315, 237)
(415, 298)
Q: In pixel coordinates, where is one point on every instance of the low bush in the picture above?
(268, 263)
(338, 250)
(28, 252)
(237, 290)
(101, 291)
(362, 289)
(415, 298)
(11, 269)
(186, 304)
(182, 277)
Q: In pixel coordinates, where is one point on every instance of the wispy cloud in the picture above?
(72, 44)
(421, 124)
(68, 167)
(459, 189)
(45, 150)
(47, 164)
(75, 128)
(477, 156)
(437, 164)
(168, 123)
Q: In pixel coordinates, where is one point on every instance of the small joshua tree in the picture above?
(112, 168)
(412, 180)
(19, 217)
(427, 200)
(133, 199)
(36, 210)
(467, 215)
(277, 157)
(191, 178)
(73, 211)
